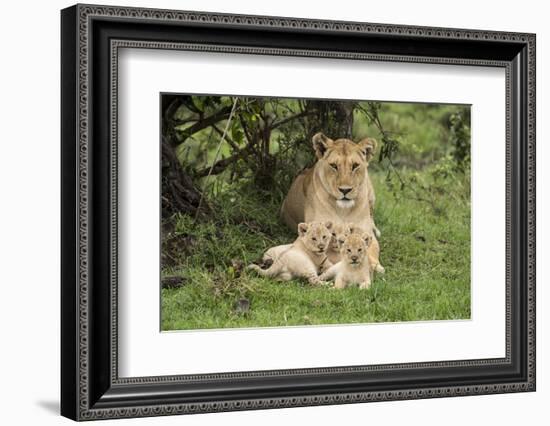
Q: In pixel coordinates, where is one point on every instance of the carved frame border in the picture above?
(85, 14)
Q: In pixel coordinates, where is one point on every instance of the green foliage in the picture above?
(429, 184)
(244, 224)
(460, 138)
(276, 134)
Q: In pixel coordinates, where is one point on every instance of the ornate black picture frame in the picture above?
(91, 37)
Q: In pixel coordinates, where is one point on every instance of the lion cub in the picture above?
(304, 257)
(354, 266)
(340, 231)
(339, 234)
(373, 251)
(273, 253)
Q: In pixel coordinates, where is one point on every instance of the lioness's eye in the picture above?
(354, 166)
(334, 166)
(324, 237)
(360, 250)
(314, 239)
(334, 234)
(349, 250)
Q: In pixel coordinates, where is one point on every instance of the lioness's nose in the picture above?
(354, 258)
(344, 189)
(321, 246)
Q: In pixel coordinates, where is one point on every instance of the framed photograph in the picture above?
(263, 212)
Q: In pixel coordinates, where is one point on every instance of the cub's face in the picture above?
(340, 232)
(343, 166)
(316, 236)
(354, 249)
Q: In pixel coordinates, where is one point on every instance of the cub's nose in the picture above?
(321, 246)
(344, 189)
(354, 258)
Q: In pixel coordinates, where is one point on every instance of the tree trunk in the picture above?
(179, 195)
(344, 118)
(333, 118)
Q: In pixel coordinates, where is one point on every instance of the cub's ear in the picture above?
(328, 224)
(354, 229)
(320, 144)
(367, 145)
(302, 229)
(367, 237)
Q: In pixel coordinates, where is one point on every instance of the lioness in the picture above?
(305, 257)
(337, 188)
(354, 267)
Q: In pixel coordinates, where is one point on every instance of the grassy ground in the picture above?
(425, 248)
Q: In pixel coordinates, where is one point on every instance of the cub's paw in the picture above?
(254, 267)
(266, 263)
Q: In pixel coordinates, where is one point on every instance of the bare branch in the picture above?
(205, 122)
(291, 118)
(227, 138)
(227, 124)
(245, 129)
(220, 165)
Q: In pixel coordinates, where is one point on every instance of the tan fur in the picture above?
(274, 252)
(304, 258)
(373, 250)
(315, 194)
(372, 200)
(340, 232)
(354, 267)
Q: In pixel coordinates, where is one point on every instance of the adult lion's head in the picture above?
(342, 166)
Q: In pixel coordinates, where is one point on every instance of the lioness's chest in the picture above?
(359, 217)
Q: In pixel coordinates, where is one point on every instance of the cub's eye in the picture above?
(360, 250)
(341, 241)
(334, 234)
(349, 250)
(324, 237)
(354, 166)
(334, 166)
(314, 239)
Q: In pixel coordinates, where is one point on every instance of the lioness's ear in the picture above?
(321, 143)
(367, 145)
(302, 229)
(328, 224)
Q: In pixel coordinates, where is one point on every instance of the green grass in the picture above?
(425, 248)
